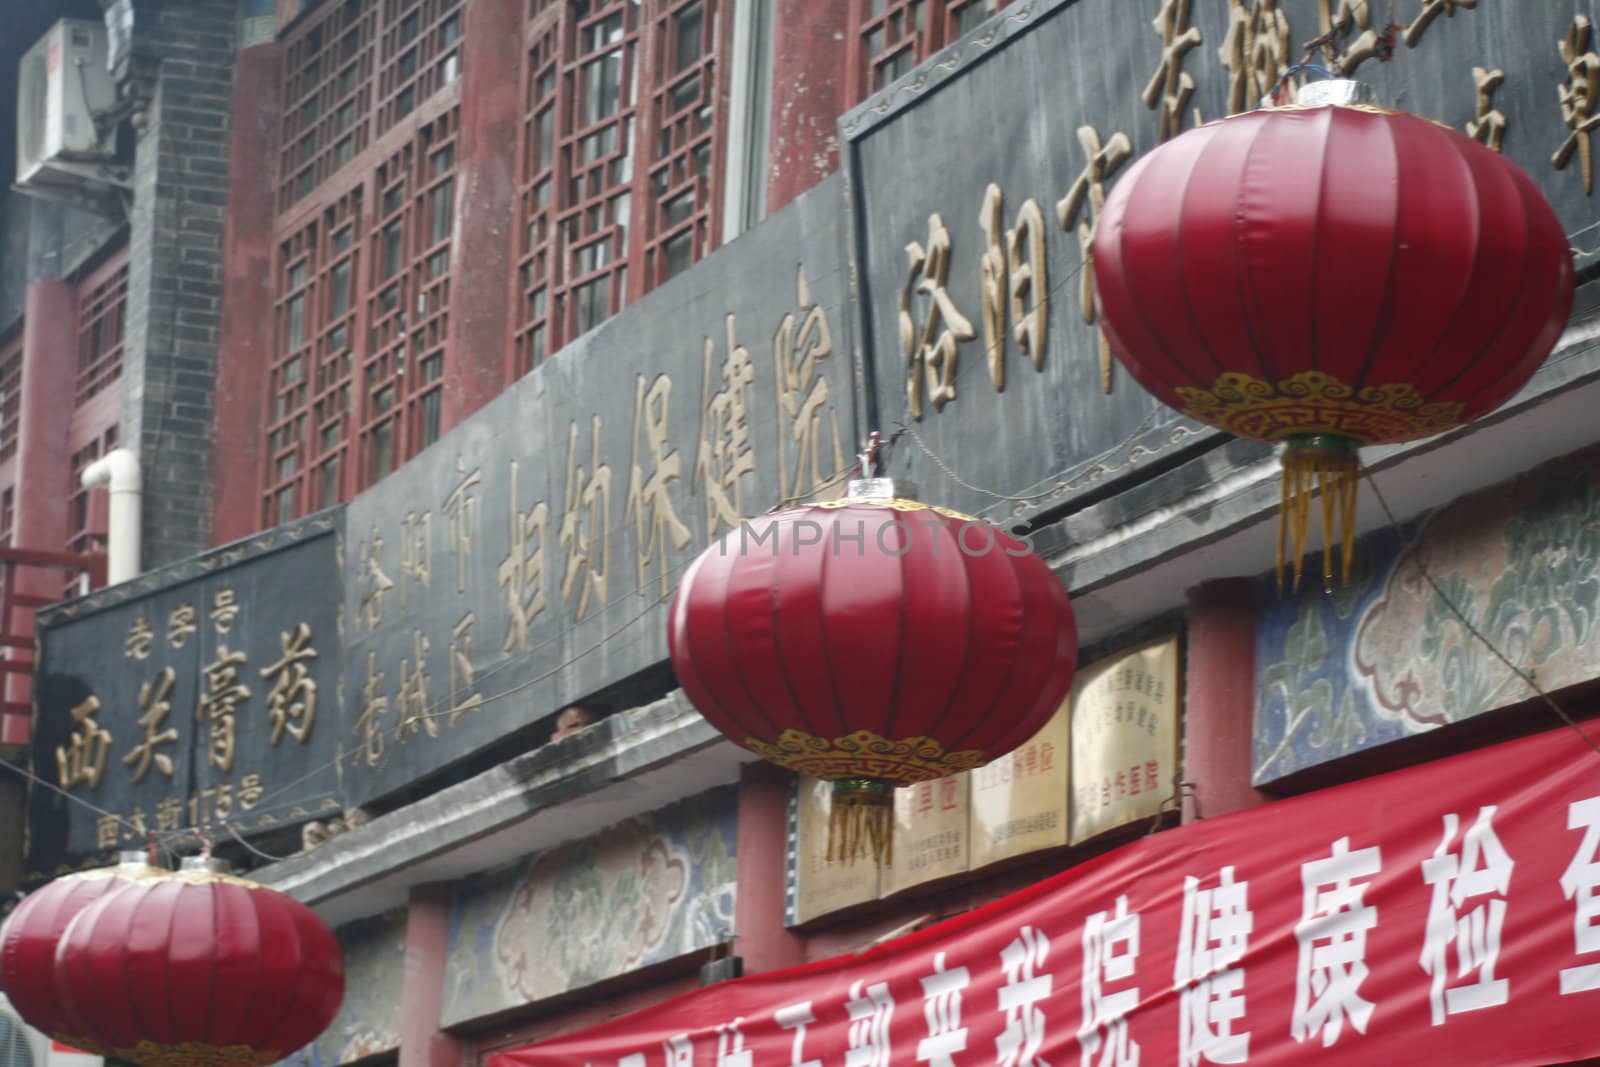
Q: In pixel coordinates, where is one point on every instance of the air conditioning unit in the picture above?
(23, 1046)
(62, 84)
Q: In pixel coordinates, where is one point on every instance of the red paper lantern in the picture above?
(1330, 277)
(29, 937)
(873, 643)
(198, 969)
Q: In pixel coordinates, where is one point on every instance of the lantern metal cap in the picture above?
(209, 864)
(133, 857)
(880, 489)
(1344, 91)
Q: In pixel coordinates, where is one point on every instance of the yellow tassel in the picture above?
(1324, 466)
(861, 822)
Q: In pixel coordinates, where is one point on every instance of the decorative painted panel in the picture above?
(639, 893)
(1386, 657)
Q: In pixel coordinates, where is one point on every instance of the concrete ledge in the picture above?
(630, 763)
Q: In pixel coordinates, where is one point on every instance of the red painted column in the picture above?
(808, 96)
(422, 1044)
(244, 349)
(1219, 702)
(760, 937)
(44, 465)
(479, 360)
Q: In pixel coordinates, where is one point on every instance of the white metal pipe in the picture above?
(119, 469)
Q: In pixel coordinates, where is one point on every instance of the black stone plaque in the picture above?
(199, 699)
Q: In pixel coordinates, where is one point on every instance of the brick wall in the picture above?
(175, 287)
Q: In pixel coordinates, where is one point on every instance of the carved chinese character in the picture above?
(140, 635)
(180, 624)
(1256, 51)
(1578, 98)
(649, 503)
(154, 698)
(1089, 190)
(412, 700)
(462, 508)
(250, 789)
(374, 705)
(83, 761)
(1489, 127)
(1432, 9)
(522, 572)
(725, 457)
(223, 805)
(292, 700)
(931, 350)
(416, 552)
(169, 814)
(224, 609)
(1014, 271)
(461, 673)
(586, 524)
(802, 343)
(108, 831)
(374, 584)
(1169, 87)
(220, 703)
(1337, 26)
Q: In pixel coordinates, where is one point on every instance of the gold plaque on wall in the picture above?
(930, 832)
(1019, 802)
(822, 887)
(1124, 738)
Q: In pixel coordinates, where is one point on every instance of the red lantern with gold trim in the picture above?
(198, 968)
(873, 643)
(1329, 277)
(31, 933)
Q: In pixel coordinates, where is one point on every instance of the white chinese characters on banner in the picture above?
(1483, 869)
(1026, 986)
(1213, 935)
(1579, 884)
(797, 1017)
(1110, 953)
(730, 1047)
(679, 1051)
(869, 1026)
(1332, 932)
(941, 992)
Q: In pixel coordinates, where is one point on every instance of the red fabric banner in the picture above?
(1448, 913)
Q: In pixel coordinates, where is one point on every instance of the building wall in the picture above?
(180, 187)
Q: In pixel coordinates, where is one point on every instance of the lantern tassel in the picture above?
(861, 821)
(1325, 466)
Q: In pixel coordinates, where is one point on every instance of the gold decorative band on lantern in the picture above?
(1313, 402)
(896, 503)
(864, 754)
(861, 821)
(194, 1054)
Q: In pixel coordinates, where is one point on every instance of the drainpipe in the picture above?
(119, 469)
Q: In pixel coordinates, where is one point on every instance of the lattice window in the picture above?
(620, 158)
(421, 54)
(892, 36)
(86, 530)
(288, 389)
(537, 327)
(8, 514)
(10, 395)
(597, 160)
(328, 76)
(686, 117)
(408, 312)
(102, 303)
